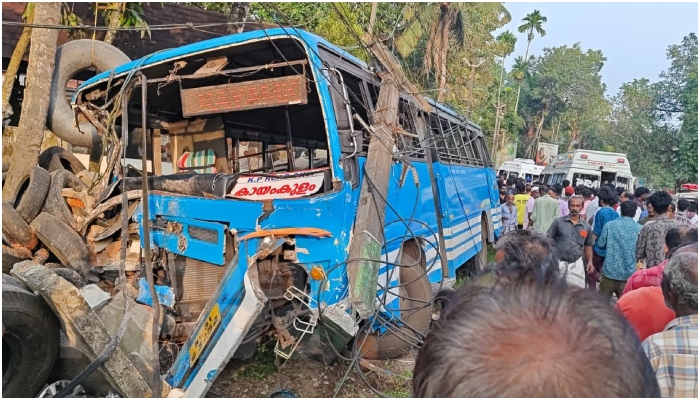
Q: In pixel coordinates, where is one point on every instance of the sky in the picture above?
(632, 36)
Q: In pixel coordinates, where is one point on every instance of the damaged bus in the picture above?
(256, 145)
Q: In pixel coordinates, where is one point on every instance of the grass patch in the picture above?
(262, 365)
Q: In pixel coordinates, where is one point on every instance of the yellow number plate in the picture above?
(213, 321)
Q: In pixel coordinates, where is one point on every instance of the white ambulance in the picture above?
(590, 168)
(521, 168)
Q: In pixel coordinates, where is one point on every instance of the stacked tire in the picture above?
(37, 222)
(30, 340)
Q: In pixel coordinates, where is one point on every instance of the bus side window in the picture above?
(485, 159)
(437, 139)
(409, 143)
(459, 153)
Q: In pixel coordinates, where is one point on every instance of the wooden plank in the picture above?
(368, 232)
(157, 158)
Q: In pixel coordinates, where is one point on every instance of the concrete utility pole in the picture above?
(368, 231)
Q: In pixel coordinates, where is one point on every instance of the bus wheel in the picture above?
(477, 263)
(416, 312)
(30, 342)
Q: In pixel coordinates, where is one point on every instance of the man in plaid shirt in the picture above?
(673, 353)
(676, 238)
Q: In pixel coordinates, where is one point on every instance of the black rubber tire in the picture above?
(55, 204)
(416, 312)
(16, 228)
(31, 194)
(476, 264)
(71, 276)
(56, 158)
(63, 242)
(71, 58)
(30, 345)
(11, 256)
(12, 281)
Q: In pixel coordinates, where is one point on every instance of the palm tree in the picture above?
(444, 21)
(506, 45)
(532, 23)
(520, 70)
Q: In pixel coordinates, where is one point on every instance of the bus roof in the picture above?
(308, 38)
(590, 159)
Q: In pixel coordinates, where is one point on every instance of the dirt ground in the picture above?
(308, 378)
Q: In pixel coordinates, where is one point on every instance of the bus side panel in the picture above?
(468, 195)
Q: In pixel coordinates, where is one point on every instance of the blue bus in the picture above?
(256, 145)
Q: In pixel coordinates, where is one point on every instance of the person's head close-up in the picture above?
(678, 237)
(660, 201)
(641, 193)
(628, 208)
(680, 284)
(532, 338)
(575, 206)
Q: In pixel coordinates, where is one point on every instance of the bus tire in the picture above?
(31, 193)
(55, 203)
(63, 242)
(71, 58)
(417, 315)
(56, 158)
(12, 281)
(482, 255)
(30, 343)
(14, 226)
(13, 255)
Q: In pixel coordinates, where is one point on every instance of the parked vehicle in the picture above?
(590, 168)
(521, 168)
(267, 135)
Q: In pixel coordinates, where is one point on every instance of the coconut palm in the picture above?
(441, 22)
(506, 45)
(532, 23)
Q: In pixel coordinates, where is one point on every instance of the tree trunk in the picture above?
(428, 56)
(496, 129)
(444, 46)
(537, 134)
(42, 56)
(114, 18)
(238, 16)
(517, 98)
(15, 61)
(574, 137)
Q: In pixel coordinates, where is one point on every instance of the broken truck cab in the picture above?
(256, 144)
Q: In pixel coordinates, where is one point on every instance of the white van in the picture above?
(521, 168)
(590, 168)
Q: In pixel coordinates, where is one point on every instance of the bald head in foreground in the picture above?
(532, 338)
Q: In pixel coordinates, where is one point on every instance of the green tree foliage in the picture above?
(657, 124)
(566, 86)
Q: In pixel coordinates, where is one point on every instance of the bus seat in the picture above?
(202, 162)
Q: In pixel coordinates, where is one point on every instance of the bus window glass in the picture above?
(558, 178)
